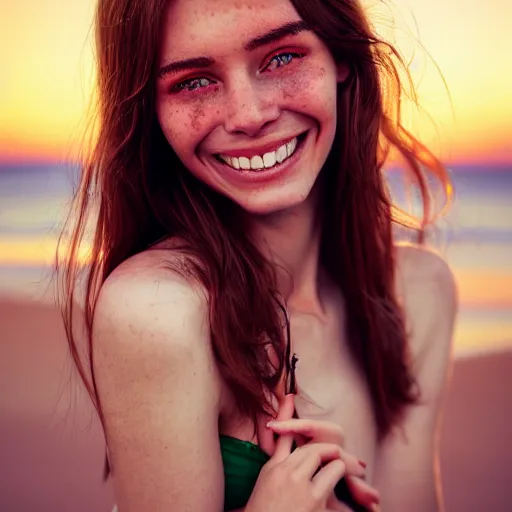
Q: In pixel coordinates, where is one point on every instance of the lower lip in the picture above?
(263, 175)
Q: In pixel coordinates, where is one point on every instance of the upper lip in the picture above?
(256, 150)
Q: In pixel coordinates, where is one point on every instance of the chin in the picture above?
(272, 202)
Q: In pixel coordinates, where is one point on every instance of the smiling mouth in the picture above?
(265, 161)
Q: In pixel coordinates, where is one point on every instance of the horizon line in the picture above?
(392, 166)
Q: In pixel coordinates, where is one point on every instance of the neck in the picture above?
(291, 241)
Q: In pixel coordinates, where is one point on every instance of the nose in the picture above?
(249, 108)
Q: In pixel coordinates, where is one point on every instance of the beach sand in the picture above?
(52, 446)
(51, 442)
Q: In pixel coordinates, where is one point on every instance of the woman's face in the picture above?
(246, 96)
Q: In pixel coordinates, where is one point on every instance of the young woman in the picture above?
(243, 264)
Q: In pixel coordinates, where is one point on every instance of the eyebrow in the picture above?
(288, 29)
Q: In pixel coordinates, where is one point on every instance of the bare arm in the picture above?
(159, 390)
(407, 472)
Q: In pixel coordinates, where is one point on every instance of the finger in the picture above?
(326, 479)
(308, 459)
(287, 408)
(362, 492)
(320, 431)
(353, 466)
(284, 444)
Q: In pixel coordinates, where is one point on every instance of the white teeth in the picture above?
(290, 147)
(257, 162)
(266, 161)
(281, 154)
(244, 163)
(269, 159)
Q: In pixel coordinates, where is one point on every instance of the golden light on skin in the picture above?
(45, 50)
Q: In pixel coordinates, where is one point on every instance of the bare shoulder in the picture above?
(158, 385)
(428, 291)
(147, 301)
(145, 279)
(422, 264)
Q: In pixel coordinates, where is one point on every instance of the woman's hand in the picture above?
(302, 480)
(307, 432)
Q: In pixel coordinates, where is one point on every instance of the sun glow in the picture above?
(47, 66)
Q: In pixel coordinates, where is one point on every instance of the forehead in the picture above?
(192, 26)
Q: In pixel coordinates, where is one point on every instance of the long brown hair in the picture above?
(137, 191)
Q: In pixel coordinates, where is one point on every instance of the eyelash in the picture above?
(197, 83)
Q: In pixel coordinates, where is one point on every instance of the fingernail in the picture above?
(362, 463)
(271, 424)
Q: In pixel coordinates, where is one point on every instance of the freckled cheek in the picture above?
(311, 94)
(186, 125)
(172, 124)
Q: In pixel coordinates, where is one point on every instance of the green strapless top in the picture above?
(243, 461)
(242, 464)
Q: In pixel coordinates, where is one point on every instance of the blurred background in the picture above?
(460, 57)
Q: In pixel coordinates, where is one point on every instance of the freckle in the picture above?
(195, 117)
(295, 86)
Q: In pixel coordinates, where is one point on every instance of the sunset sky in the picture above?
(47, 61)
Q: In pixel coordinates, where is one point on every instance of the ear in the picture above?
(342, 72)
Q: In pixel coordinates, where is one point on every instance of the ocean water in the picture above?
(475, 237)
